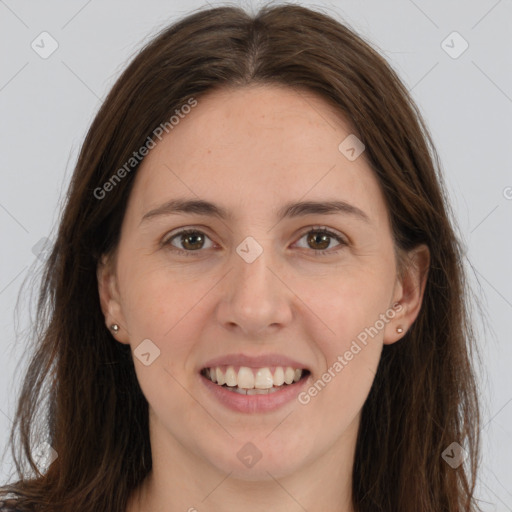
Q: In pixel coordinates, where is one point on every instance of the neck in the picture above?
(192, 484)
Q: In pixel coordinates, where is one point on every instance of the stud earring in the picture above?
(399, 330)
(115, 327)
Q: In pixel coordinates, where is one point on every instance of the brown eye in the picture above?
(187, 240)
(191, 241)
(319, 239)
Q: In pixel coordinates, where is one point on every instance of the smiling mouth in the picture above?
(254, 381)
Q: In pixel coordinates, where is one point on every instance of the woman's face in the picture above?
(258, 286)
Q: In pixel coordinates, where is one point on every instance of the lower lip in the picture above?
(255, 403)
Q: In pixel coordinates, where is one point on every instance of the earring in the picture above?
(399, 330)
(115, 327)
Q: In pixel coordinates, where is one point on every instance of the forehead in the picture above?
(257, 146)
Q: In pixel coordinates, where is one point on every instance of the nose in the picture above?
(255, 297)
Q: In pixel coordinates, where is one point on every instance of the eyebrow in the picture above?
(289, 210)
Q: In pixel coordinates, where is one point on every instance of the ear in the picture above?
(110, 299)
(408, 293)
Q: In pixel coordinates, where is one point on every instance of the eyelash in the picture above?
(316, 229)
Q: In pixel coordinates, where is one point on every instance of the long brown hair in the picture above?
(424, 396)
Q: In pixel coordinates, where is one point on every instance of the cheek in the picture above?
(349, 337)
(167, 308)
(160, 307)
(348, 303)
(155, 298)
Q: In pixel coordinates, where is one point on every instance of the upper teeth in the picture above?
(253, 378)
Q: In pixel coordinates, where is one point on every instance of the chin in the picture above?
(260, 460)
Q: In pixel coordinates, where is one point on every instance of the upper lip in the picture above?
(260, 361)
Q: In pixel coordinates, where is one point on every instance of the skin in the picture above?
(251, 150)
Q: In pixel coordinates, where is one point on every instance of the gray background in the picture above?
(46, 106)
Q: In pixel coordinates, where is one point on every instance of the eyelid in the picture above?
(334, 233)
(339, 237)
(166, 240)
